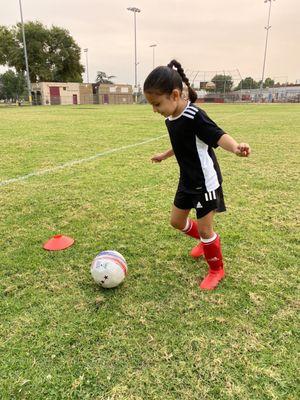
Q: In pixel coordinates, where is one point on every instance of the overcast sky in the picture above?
(205, 35)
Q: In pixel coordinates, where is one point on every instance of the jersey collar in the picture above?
(170, 118)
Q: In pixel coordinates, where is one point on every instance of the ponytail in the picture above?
(164, 79)
(192, 94)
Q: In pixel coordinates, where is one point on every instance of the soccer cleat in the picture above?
(212, 279)
(197, 251)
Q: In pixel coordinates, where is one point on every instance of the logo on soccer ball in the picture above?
(109, 268)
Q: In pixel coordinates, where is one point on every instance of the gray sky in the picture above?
(211, 35)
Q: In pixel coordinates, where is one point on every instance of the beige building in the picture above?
(86, 93)
(115, 93)
(64, 93)
(53, 93)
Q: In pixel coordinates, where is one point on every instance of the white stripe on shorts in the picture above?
(210, 195)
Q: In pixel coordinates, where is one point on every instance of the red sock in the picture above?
(191, 229)
(213, 254)
(214, 258)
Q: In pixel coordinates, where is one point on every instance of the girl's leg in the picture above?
(212, 252)
(180, 221)
(205, 225)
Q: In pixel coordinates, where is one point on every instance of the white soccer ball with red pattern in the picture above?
(109, 268)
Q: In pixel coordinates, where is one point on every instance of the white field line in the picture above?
(76, 162)
(83, 160)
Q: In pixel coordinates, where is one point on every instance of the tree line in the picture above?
(54, 56)
(224, 83)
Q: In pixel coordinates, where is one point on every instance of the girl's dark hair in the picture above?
(164, 79)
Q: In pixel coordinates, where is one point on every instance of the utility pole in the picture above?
(153, 55)
(25, 55)
(87, 64)
(266, 45)
(135, 10)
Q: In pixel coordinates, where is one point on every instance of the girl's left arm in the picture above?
(229, 144)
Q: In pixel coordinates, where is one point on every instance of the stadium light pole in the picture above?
(153, 54)
(241, 88)
(195, 78)
(25, 55)
(266, 45)
(87, 64)
(135, 10)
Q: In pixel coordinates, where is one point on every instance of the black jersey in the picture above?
(193, 135)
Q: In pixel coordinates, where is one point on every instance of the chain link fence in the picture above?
(272, 95)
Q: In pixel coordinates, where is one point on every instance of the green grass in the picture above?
(157, 336)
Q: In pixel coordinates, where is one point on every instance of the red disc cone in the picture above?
(58, 242)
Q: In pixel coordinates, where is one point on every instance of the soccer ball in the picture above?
(109, 268)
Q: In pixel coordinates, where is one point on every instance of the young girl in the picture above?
(193, 135)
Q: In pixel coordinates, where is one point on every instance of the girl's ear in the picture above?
(176, 94)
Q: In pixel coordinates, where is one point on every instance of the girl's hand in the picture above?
(243, 150)
(158, 158)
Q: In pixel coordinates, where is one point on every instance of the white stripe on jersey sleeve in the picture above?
(194, 108)
(188, 115)
(193, 112)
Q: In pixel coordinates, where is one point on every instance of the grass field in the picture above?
(157, 336)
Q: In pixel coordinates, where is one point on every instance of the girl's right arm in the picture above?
(228, 143)
(162, 156)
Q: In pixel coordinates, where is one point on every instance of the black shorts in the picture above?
(203, 203)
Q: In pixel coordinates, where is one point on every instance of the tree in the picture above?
(6, 45)
(64, 56)
(13, 85)
(247, 83)
(223, 83)
(53, 55)
(269, 83)
(103, 78)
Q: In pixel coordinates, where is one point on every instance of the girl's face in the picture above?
(164, 104)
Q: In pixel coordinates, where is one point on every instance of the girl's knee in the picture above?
(177, 224)
(205, 232)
